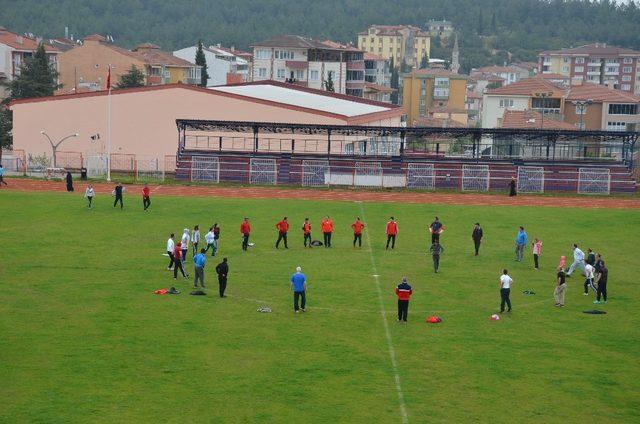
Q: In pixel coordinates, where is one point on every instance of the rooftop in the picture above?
(394, 30)
(293, 41)
(528, 119)
(437, 72)
(371, 56)
(527, 87)
(370, 86)
(600, 93)
(595, 49)
(22, 42)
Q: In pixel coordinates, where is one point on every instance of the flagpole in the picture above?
(109, 126)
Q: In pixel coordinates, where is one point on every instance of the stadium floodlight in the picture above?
(54, 146)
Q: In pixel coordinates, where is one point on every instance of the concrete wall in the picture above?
(491, 110)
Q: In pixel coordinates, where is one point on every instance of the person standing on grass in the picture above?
(327, 230)
(146, 199)
(89, 193)
(435, 229)
(602, 284)
(591, 257)
(597, 267)
(505, 290)
(306, 230)
(513, 187)
(222, 269)
(117, 193)
(195, 238)
(210, 240)
(561, 288)
(69, 181)
(170, 249)
(589, 274)
(578, 260)
(2, 181)
(537, 251)
(283, 228)
(185, 243)
(245, 230)
(521, 242)
(216, 238)
(199, 260)
(357, 226)
(299, 288)
(404, 292)
(177, 260)
(436, 250)
(476, 236)
(392, 232)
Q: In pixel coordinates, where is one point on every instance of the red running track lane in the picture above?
(474, 199)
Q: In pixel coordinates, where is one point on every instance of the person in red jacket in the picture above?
(392, 232)
(306, 229)
(327, 230)
(283, 228)
(357, 226)
(245, 230)
(177, 256)
(146, 200)
(404, 292)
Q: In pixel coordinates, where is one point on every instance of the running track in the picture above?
(474, 199)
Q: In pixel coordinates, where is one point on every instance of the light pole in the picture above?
(54, 146)
(581, 108)
(544, 97)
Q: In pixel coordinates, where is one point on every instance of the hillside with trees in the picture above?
(491, 31)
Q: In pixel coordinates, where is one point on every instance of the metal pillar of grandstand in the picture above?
(469, 159)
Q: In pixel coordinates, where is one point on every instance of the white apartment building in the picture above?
(222, 65)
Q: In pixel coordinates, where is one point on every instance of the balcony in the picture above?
(355, 65)
(441, 93)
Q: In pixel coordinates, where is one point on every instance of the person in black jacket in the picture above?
(222, 270)
(476, 235)
(69, 181)
(117, 193)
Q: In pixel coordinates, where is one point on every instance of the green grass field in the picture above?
(84, 339)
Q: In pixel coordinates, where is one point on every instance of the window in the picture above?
(442, 82)
(626, 78)
(281, 73)
(616, 126)
(262, 72)
(506, 102)
(156, 71)
(627, 69)
(565, 69)
(580, 60)
(313, 75)
(578, 69)
(622, 109)
(284, 54)
(441, 92)
(593, 69)
(625, 87)
(263, 54)
(565, 60)
(627, 60)
(611, 69)
(613, 61)
(299, 74)
(593, 78)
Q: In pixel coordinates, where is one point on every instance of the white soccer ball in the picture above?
(495, 317)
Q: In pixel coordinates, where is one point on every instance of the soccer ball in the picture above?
(495, 317)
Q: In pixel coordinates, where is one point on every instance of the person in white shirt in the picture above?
(185, 244)
(505, 290)
(89, 193)
(589, 272)
(210, 239)
(578, 260)
(170, 246)
(195, 239)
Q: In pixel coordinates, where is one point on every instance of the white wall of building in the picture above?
(493, 107)
(216, 68)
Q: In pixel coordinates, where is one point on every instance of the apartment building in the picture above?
(223, 66)
(310, 63)
(377, 75)
(403, 43)
(440, 28)
(509, 74)
(434, 94)
(14, 49)
(85, 67)
(598, 63)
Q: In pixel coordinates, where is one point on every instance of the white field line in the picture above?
(392, 352)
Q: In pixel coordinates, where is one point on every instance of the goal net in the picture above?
(263, 171)
(314, 173)
(421, 175)
(475, 177)
(530, 179)
(368, 174)
(594, 181)
(205, 168)
(149, 169)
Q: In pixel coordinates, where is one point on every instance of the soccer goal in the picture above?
(530, 179)
(475, 177)
(421, 175)
(594, 181)
(205, 168)
(314, 173)
(263, 171)
(149, 169)
(368, 174)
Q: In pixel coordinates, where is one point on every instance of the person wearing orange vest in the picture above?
(146, 199)
(283, 228)
(404, 292)
(245, 229)
(327, 230)
(306, 229)
(357, 232)
(392, 232)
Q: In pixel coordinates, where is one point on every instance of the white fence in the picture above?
(530, 179)
(594, 181)
(205, 168)
(421, 176)
(475, 177)
(263, 171)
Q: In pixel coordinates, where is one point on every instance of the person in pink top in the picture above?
(537, 250)
(563, 262)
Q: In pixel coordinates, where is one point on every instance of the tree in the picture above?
(134, 77)
(424, 62)
(201, 61)
(6, 125)
(328, 84)
(494, 25)
(480, 26)
(395, 83)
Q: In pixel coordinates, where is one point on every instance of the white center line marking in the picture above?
(392, 352)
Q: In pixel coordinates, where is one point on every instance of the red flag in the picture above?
(109, 79)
